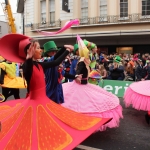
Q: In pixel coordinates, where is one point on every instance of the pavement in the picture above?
(132, 134)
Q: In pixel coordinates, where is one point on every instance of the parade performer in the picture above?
(9, 81)
(93, 53)
(90, 99)
(74, 59)
(37, 123)
(66, 65)
(138, 96)
(54, 75)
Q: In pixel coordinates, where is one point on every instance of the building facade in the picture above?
(18, 21)
(3, 28)
(114, 25)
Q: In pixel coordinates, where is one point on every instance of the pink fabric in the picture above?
(116, 114)
(67, 26)
(141, 87)
(137, 95)
(92, 100)
(78, 38)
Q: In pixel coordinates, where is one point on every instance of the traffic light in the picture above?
(65, 5)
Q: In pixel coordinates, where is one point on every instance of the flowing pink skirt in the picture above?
(93, 100)
(138, 95)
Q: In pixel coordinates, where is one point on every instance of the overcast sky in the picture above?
(13, 4)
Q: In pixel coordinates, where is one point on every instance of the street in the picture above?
(132, 134)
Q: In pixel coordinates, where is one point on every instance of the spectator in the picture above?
(116, 70)
(148, 70)
(66, 65)
(102, 71)
(105, 62)
(101, 58)
(111, 58)
(93, 56)
(135, 57)
(130, 71)
(130, 57)
(139, 71)
(74, 61)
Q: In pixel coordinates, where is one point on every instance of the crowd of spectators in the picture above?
(126, 67)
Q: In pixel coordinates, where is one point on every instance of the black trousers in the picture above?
(10, 91)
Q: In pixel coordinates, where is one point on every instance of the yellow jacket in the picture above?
(10, 69)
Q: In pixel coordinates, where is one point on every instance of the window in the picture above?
(84, 9)
(145, 7)
(52, 11)
(103, 7)
(103, 10)
(43, 11)
(123, 8)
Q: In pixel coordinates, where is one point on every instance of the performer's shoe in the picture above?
(147, 118)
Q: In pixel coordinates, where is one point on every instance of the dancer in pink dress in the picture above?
(90, 99)
(36, 122)
(138, 95)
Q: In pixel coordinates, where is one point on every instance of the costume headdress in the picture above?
(83, 51)
(89, 45)
(76, 47)
(13, 46)
(94, 75)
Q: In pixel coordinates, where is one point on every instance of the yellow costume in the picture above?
(10, 79)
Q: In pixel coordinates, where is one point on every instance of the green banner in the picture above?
(116, 87)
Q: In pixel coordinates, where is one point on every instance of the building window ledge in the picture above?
(123, 18)
(52, 24)
(145, 17)
(45, 29)
(106, 24)
(105, 20)
(47, 25)
(84, 21)
(102, 19)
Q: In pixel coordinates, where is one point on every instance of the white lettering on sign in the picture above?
(108, 88)
(126, 86)
(117, 89)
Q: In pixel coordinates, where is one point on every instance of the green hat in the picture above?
(92, 46)
(117, 59)
(89, 44)
(76, 47)
(49, 47)
(86, 42)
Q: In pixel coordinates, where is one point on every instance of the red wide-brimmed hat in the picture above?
(12, 47)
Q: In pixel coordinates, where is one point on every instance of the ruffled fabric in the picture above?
(116, 114)
(94, 101)
(133, 96)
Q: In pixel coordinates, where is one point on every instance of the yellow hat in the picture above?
(83, 50)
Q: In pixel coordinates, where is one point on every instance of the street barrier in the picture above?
(116, 87)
